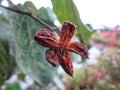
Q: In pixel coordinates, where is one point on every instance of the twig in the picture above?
(31, 15)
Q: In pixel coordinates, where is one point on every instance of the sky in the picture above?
(99, 12)
(96, 12)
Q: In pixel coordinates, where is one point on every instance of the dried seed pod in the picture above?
(60, 45)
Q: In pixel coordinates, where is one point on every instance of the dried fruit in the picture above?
(60, 45)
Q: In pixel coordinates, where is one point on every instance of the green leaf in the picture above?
(47, 14)
(4, 12)
(31, 8)
(30, 56)
(66, 10)
(7, 62)
(13, 86)
(2, 19)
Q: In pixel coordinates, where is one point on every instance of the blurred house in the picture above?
(112, 37)
(107, 37)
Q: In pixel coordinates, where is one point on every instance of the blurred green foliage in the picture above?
(7, 61)
(13, 86)
(98, 39)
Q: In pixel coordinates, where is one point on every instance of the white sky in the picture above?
(96, 12)
(99, 11)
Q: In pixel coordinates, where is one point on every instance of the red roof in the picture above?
(112, 37)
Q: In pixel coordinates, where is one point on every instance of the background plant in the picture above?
(101, 76)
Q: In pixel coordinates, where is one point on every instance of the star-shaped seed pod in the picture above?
(60, 45)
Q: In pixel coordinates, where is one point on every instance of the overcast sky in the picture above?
(96, 12)
(99, 11)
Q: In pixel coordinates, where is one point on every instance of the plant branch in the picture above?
(30, 15)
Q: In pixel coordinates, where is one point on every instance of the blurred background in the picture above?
(22, 61)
